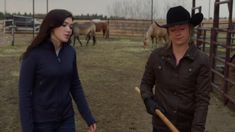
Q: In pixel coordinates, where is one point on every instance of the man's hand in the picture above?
(151, 106)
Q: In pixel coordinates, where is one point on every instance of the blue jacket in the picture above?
(46, 84)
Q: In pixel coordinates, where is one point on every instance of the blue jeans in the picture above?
(67, 125)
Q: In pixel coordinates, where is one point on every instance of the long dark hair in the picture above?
(53, 19)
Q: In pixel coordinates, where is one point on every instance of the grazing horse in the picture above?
(155, 32)
(88, 29)
(102, 26)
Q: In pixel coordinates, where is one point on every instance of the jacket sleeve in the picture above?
(79, 97)
(148, 79)
(202, 98)
(26, 83)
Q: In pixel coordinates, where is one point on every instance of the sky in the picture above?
(75, 6)
(78, 7)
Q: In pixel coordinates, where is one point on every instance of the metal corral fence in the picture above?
(221, 49)
(216, 37)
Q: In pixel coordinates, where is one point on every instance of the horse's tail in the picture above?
(105, 29)
(107, 33)
(93, 32)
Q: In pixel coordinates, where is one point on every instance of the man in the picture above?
(179, 76)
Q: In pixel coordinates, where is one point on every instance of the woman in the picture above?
(48, 79)
(179, 76)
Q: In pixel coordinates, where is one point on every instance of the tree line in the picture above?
(41, 16)
(142, 9)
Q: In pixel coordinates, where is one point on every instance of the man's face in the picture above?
(179, 34)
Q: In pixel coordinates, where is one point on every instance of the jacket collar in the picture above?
(190, 53)
(49, 45)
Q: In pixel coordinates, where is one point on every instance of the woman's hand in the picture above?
(92, 128)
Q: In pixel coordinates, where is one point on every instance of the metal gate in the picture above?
(217, 39)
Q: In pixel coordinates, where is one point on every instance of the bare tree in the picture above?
(141, 9)
(130, 9)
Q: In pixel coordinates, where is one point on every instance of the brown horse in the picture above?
(102, 26)
(155, 32)
(88, 29)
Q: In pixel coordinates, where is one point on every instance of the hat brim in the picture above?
(195, 20)
(173, 24)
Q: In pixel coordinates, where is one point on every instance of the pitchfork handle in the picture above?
(163, 117)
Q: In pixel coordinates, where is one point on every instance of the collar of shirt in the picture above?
(190, 53)
(49, 45)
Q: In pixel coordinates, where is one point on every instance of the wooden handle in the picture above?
(162, 117)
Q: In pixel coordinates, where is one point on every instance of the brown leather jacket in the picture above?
(181, 90)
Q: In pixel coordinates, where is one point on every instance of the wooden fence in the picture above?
(126, 28)
(117, 28)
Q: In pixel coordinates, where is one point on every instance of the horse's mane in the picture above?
(158, 24)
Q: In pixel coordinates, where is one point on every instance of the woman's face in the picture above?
(62, 33)
(179, 34)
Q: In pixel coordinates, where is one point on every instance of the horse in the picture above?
(155, 32)
(102, 26)
(88, 29)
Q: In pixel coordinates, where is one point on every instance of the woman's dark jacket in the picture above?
(181, 90)
(46, 84)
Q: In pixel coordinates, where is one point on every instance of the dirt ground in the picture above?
(109, 72)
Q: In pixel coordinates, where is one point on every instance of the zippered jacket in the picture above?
(47, 84)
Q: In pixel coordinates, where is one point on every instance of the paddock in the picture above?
(109, 72)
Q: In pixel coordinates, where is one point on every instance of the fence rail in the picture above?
(221, 52)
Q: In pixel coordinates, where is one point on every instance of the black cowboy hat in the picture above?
(179, 15)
